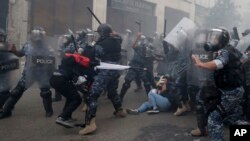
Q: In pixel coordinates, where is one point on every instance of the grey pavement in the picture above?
(28, 123)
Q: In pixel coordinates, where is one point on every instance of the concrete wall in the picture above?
(176, 4)
(18, 15)
(100, 9)
(18, 21)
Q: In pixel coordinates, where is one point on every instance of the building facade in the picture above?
(56, 16)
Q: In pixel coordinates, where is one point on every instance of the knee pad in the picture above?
(45, 93)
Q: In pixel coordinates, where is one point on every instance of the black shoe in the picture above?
(5, 114)
(56, 99)
(80, 125)
(49, 114)
(64, 122)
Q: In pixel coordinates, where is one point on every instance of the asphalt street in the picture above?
(28, 123)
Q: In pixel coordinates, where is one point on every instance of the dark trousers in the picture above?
(69, 91)
(105, 80)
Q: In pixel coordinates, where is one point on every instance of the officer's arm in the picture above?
(136, 40)
(218, 63)
(208, 65)
(18, 53)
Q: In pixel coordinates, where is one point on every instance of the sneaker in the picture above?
(154, 111)
(132, 111)
(64, 122)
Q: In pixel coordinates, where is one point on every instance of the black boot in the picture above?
(5, 114)
(3, 97)
(47, 102)
(9, 105)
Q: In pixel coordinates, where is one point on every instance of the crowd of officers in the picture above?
(218, 100)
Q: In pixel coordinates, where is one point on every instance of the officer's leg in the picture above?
(230, 100)
(3, 97)
(146, 81)
(138, 83)
(114, 97)
(201, 117)
(15, 95)
(192, 92)
(99, 85)
(215, 126)
(46, 95)
(247, 103)
(182, 100)
(126, 85)
(152, 79)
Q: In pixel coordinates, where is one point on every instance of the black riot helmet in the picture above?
(81, 34)
(217, 38)
(3, 36)
(104, 30)
(37, 34)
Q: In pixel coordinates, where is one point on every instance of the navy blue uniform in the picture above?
(108, 49)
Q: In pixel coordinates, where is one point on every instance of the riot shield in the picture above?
(197, 76)
(244, 43)
(182, 32)
(40, 65)
(9, 70)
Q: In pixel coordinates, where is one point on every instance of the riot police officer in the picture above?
(107, 49)
(142, 65)
(39, 67)
(9, 65)
(228, 80)
(81, 37)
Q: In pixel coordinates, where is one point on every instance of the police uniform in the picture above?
(229, 80)
(37, 74)
(140, 69)
(108, 49)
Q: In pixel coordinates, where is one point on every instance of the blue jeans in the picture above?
(155, 101)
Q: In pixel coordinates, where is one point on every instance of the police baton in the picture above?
(73, 38)
(93, 14)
